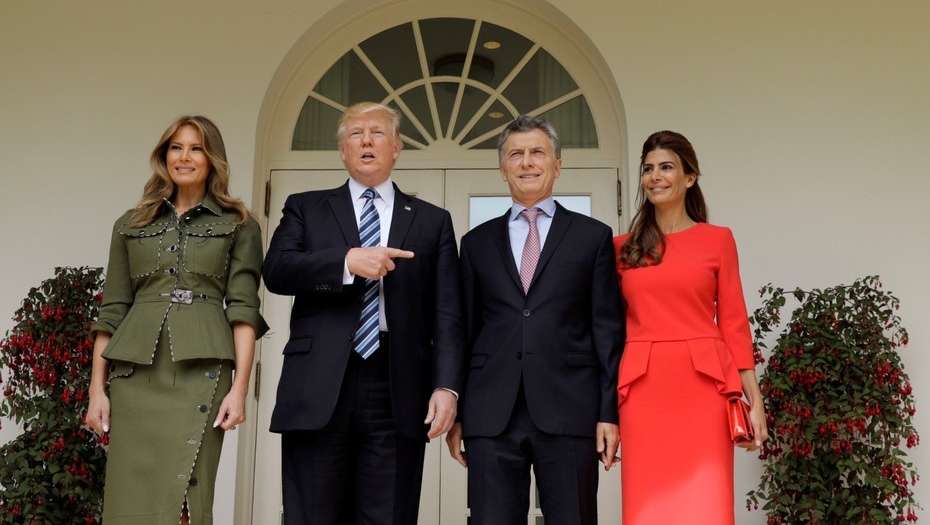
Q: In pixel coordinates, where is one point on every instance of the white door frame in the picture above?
(330, 36)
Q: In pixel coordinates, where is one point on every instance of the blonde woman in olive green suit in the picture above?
(165, 346)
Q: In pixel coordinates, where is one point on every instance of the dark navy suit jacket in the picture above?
(422, 301)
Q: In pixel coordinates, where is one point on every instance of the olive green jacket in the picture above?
(171, 279)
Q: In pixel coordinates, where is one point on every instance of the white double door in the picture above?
(472, 197)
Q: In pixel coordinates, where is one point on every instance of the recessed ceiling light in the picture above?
(492, 44)
(495, 114)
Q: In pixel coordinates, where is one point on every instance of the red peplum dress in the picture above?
(687, 338)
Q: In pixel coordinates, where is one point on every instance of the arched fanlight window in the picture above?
(452, 79)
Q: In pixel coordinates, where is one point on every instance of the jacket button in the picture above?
(173, 248)
(203, 408)
(519, 355)
(193, 482)
(527, 313)
(211, 374)
(171, 271)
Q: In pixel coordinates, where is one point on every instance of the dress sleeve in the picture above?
(245, 271)
(731, 307)
(117, 288)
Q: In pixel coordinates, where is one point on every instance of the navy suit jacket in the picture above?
(562, 339)
(422, 298)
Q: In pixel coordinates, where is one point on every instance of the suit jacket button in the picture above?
(526, 313)
(203, 408)
(519, 355)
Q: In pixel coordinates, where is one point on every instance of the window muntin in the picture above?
(451, 79)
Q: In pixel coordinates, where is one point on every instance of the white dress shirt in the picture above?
(384, 204)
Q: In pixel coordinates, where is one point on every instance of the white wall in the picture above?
(811, 126)
(810, 123)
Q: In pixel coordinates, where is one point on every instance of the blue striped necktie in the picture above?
(369, 233)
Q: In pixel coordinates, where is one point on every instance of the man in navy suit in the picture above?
(376, 337)
(544, 329)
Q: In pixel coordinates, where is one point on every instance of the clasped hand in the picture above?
(759, 428)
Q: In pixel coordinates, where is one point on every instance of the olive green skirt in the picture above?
(163, 448)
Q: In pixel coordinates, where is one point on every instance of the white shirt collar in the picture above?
(547, 206)
(385, 190)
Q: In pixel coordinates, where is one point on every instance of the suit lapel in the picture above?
(341, 202)
(560, 224)
(401, 218)
(503, 245)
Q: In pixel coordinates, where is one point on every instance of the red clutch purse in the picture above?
(738, 415)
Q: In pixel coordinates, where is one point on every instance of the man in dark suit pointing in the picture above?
(376, 338)
(544, 329)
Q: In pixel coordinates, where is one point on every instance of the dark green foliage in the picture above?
(839, 408)
(53, 472)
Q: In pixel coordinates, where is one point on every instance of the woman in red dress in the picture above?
(688, 348)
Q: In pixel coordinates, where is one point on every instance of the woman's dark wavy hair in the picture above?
(646, 243)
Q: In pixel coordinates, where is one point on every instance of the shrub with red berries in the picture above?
(53, 472)
(839, 407)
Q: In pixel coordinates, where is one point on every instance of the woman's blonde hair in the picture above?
(160, 187)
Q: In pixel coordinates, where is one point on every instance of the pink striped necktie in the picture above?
(530, 249)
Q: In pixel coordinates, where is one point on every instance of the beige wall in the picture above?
(810, 122)
(811, 125)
